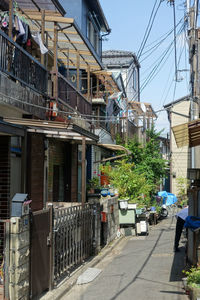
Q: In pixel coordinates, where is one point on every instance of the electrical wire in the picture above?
(155, 47)
(149, 27)
(158, 66)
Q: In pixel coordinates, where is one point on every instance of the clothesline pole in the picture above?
(88, 82)
(43, 33)
(78, 71)
(55, 65)
(10, 18)
(68, 64)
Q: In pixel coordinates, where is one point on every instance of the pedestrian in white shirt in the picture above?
(181, 216)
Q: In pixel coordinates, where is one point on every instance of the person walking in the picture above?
(181, 216)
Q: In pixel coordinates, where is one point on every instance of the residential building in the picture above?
(126, 63)
(178, 113)
(91, 20)
(45, 127)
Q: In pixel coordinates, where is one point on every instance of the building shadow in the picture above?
(178, 265)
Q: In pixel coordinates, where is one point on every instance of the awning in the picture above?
(114, 147)
(110, 158)
(70, 41)
(51, 129)
(142, 109)
(187, 134)
(10, 129)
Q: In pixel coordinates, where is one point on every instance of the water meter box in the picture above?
(20, 205)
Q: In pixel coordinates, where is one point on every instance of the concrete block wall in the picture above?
(110, 207)
(19, 258)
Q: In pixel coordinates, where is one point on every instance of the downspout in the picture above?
(101, 39)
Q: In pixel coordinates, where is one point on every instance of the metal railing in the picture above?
(21, 66)
(72, 238)
(71, 96)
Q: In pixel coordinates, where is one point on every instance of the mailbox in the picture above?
(20, 205)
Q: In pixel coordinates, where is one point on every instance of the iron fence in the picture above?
(70, 95)
(21, 66)
(72, 238)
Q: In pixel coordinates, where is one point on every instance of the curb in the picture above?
(69, 282)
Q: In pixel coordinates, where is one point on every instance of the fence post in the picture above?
(51, 235)
(6, 259)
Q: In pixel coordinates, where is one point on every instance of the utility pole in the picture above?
(194, 49)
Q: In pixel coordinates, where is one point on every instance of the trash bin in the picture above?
(141, 222)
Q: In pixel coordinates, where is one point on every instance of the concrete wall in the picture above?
(19, 98)
(110, 207)
(179, 156)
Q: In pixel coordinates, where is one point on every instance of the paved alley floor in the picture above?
(143, 268)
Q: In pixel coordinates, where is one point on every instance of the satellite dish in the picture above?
(143, 107)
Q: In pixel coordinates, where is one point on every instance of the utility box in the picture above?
(20, 205)
(126, 216)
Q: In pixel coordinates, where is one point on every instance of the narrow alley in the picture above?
(144, 267)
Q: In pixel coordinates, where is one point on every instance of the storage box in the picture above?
(127, 216)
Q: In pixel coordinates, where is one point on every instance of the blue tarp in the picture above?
(192, 222)
(168, 198)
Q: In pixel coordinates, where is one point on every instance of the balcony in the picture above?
(72, 97)
(19, 65)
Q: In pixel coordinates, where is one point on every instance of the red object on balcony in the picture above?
(103, 217)
(53, 111)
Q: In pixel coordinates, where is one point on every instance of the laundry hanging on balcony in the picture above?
(21, 30)
(37, 37)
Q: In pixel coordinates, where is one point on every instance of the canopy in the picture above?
(53, 129)
(187, 134)
(114, 147)
(72, 47)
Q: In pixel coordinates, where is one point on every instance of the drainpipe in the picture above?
(101, 38)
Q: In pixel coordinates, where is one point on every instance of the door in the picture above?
(40, 269)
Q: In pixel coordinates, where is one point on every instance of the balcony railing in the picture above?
(21, 66)
(71, 96)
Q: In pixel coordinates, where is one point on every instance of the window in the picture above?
(93, 34)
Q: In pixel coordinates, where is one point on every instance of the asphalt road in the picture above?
(139, 268)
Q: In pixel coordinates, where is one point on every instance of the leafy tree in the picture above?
(138, 176)
(130, 184)
(182, 185)
(148, 160)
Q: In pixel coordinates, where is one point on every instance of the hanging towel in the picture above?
(21, 29)
(38, 39)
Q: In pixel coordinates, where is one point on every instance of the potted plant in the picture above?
(94, 186)
(193, 282)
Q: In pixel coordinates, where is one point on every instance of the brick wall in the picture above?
(56, 157)
(35, 167)
(4, 185)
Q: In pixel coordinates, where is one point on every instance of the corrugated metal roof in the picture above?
(70, 40)
(187, 134)
(53, 5)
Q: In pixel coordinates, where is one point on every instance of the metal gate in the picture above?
(40, 243)
(72, 238)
